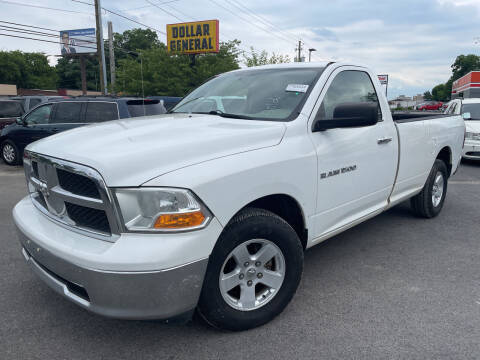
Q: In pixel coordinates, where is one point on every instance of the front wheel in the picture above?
(253, 271)
(10, 153)
(430, 201)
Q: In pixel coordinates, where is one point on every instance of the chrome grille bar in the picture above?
(51, 199)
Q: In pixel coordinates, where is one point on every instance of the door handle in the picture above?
(384, 140)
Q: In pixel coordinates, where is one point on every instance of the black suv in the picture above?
(63, 114)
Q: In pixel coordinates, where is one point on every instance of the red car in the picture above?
(431, 106)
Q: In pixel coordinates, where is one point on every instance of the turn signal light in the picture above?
(179, 221)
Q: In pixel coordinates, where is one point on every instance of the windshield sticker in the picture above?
(297, 88)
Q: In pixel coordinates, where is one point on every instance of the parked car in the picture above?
(60, 114)
(29, 102)
(470, 110)
(9, 111)
(431, 106)
(210, 207)
(445, 106)
(168, 101)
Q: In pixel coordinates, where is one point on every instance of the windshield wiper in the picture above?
(228, 115)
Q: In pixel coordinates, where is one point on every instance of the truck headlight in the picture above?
(472, 136)
(161, 209)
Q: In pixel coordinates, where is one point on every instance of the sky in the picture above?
(413, 41)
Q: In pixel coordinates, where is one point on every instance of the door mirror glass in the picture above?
(352, 114)
(466, 116)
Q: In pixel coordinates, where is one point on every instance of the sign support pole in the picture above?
(83, 74)
(192, 60)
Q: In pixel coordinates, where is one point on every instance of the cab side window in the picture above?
(40, 115)
(68, 113)
(101, 111)
(350, 86)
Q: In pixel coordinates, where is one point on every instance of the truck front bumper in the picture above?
(471, 150)
(149, 294)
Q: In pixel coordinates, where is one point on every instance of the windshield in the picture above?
(268, 94)
(473, 109)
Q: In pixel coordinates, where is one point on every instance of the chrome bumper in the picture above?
(162, 294)
(471, 150)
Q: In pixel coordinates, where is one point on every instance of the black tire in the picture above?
(16, 159)
(249, 224)
(423, 204)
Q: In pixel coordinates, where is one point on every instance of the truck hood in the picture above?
(473, 126)
(132, 151)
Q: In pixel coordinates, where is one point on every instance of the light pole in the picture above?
(310, 54)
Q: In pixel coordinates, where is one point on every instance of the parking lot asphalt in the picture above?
(393, 287)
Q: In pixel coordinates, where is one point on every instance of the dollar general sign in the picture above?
(193, 37)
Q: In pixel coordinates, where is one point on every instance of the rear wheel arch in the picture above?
(446, 156)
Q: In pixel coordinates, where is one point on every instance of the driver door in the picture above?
(356, 165)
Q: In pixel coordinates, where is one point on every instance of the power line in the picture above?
(165, 11)
(248, 21)
(30, 38)
(147, 6)
(45, 7)
(264, 22)
(122, 16)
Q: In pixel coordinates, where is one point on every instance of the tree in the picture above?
(439, 93)
(263, 58)
(464, 64)
(427, 95)
(170, 74)
(27, 70)
(69, 75)
(134, 40)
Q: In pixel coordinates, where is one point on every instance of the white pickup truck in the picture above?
(470, 111)
(211, 206)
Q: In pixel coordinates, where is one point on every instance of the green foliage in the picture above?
(69, 76)
(464, 64)
(439, 93)
(174, 75)
(263, 58)
(26, 70)
(134, 40)
(427, 95)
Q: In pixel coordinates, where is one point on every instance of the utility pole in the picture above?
(112, 57)
(299, 49)
(100, 47)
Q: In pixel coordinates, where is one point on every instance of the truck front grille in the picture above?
(88, 217)
(72, 194)
(77, 184)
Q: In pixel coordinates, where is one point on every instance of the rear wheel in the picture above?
(430, 201)
(10, 153)
(253, 272)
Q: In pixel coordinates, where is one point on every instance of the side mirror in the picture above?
(347, 115)
(19, 121)
(466, 116)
